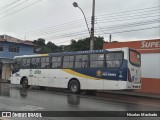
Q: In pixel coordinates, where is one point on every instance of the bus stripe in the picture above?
(79, 74)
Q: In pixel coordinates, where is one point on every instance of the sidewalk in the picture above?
(132, 93)
(4, 81)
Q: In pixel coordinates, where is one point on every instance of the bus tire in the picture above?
(74, 87)
(25, 83)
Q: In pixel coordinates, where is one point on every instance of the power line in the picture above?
(53, 32)
(119, 26)
(69, 34)
(21, 9)
(13, 7)
(135, 30)
(102, 32)
(69, 22)
(134, 24)
(132, 11)
(126, 19)
(4, 7)
(78, 25)
(64, 25)
(131, 15)
(70, 40)
(58, 29)
(79, 33)
(52, 29)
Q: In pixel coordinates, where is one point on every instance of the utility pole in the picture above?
(92, 27)
(110, 38)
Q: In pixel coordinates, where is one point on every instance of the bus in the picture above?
(112, 69)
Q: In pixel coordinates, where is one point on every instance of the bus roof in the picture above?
(72, 53)
(36, 55)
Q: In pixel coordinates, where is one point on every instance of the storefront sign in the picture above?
(155, 44)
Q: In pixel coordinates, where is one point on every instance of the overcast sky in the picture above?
(59, 22)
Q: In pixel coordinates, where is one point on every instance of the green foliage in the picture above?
(47, 48)
(84, 44)
(40, 42)
(80, 45)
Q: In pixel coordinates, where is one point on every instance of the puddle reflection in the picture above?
(73, 99)
(23, 92)
(4, 90)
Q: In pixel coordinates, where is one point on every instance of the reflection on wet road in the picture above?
(18, 99)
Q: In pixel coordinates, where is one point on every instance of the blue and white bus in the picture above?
(112, 69)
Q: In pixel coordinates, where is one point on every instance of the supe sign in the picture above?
(146, 44)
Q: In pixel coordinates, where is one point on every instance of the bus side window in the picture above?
(33, 63)
(24, 63)
(118, 59)
(45, 62)
(28, 64)
(68, 61)
(81, 61)
(96, 60)
(56, 62)
(17, 63)
(38, 62)
(114, 59)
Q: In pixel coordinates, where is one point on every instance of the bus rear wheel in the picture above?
(25, 83)
(74, 87)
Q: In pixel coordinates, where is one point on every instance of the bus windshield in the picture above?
(134, 58)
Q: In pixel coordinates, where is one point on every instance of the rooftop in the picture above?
(6, 38)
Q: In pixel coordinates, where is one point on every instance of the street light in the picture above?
(91, 33)
(76, 5)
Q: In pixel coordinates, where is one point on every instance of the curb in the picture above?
(134, 94)
(4, 81)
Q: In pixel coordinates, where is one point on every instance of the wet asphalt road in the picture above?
(17, 99)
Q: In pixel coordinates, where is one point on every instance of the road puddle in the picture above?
(4, 89)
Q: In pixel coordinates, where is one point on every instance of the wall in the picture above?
(6, 71)
(150, 62)
(23, 50)
(150, 73)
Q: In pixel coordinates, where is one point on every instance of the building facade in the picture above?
(9, 48)
(150, 62)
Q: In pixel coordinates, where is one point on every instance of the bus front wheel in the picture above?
(25, 83)
(74, 87)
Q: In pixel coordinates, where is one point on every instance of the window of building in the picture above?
(45, 62)
(68, 61)
(96, 60)
(1, 47)
(81, 61)
(114, 59)
(13, 49)
(56, 62)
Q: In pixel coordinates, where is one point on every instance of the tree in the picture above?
(84, 44)
(53, 48)
(80, 45)
(40, 42)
